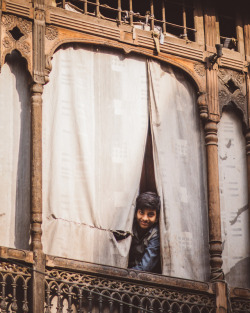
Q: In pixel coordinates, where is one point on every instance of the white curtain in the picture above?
(233, 201)
(14, 154)
(180, 173)
(95, 120)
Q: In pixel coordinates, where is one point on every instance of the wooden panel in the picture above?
(23, 8)
(212, 93)
(247, 38)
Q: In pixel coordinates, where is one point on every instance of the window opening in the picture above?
(231, 86)
(166, 16)
(16, 33)
(147, 182)
(227, 24)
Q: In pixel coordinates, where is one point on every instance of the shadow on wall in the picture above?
(237, 274)
(18, 67)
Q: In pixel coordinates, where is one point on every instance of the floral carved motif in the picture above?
(25, 26)
(17, 34)
(51, 33)
(200, 69)
(8, 21)
(24, 47)
(223, 96)
(7, 43)
(239, 78)
(14, 269)
(232, 89)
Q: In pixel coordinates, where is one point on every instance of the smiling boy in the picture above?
(144, 252)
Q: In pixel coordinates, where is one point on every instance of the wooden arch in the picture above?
(186, 66)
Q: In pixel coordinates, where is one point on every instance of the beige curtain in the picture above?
(95, 121)
(14, 154)
(233, 201)
(95, 125)
(180, 173)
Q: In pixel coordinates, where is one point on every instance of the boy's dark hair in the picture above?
(148, 200)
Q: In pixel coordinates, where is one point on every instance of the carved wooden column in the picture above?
(215, 242)
(38, 286)
(211, 139)
(36, 167)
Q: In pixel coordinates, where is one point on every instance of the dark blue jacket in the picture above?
(144, 254)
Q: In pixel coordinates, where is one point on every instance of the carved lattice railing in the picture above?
(75, 292)
(15, 291)
(72, 286)
(240, 306)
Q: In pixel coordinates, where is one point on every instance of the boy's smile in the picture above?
(146, 218)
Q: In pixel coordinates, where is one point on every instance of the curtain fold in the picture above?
(95, 120)
(233, 200)
(180, 173)
(14, 154)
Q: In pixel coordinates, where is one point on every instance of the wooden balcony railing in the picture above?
(75, 287)
(152, 15)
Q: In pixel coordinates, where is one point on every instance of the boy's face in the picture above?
(146, 218)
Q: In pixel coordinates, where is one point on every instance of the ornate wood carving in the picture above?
(215, 242)
(240, 306)
(91, 288)
(122, 286)
(63, 26)
(38, 41)
(232, 88)
(200, 69)
(51, 32)
(16, 33)
(202, 105)
(122, 273)
(57, 36)
(12, 268)
(14, 278)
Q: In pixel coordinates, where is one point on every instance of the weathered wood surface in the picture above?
(215, 242)
(45, 28)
